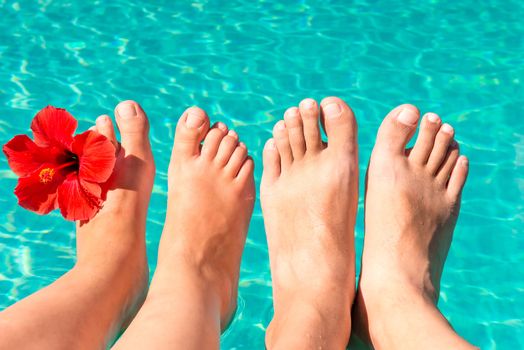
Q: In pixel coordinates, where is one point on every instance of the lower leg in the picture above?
(309, 198)
(87, 306)
(182, 311)
(192, 297)
(411, 207)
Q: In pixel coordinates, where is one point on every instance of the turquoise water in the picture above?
(245, 63)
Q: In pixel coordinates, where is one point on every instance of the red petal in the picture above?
(96, 155)
(25, 157)
(54, 127)
(78, 199)
(38, 191)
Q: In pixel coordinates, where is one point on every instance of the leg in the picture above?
(87, 306)
(309, 198)
(211, 193)
(412, 204)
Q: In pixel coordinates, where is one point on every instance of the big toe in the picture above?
(134, 129)
(340, 124)
(191, 129)
(397, 129)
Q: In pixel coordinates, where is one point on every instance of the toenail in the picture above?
(280, 125)
(221, 126)
(126, 110)
(332, 110)
(270, 144)
(102, 119)
(308, 103)
(242, 145)
(195, 119)
(448, 129)
(232, 133)
(292, 112)
(408, 116)
(463, 161)
(432, 117)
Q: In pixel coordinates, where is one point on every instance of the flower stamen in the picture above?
(46, 175)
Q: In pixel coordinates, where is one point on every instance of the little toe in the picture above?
(236, 160)
(246, 172)
(296, 132)
(134, 128)
(212, 140)
(271, 162)
(440, 148)
(448, 164)
(281, 137)
(426, 138)
(458, 178)
(310, 113)
(340, 124)
(191, 128)
(397, 128)
(226, 148)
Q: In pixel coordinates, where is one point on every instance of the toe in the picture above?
(309, 112)
(246, 171)
(426, 138)
(190, 131)
(134, 127)
(226, 148)
(295, 132)
(340, 124)
(448, 164)
(236, 160)
(212, 140)
(440, 148)
(281, 137)
(458, 178)
(104, 126)
(397, 129)
(271, 160)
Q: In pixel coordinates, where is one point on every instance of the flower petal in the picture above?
(25, 157)
(96, 156)
(78, 199)
(38, 192)
(54, 127)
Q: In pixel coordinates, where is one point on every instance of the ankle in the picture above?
(208, 285)
(384, 308)
(307, 323)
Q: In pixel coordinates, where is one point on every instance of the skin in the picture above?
(211, 192)
(411, 208)
(86, 307)
(309, 195)
(412, 204)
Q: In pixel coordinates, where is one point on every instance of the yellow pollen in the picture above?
(46, 175)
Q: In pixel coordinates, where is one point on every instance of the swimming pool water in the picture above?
(245, 63)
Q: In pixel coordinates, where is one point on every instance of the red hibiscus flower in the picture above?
(58, 170)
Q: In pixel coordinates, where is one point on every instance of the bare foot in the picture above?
(115, 237)
(211, 192)
(412, 204)
(85, 308)
(309, 196)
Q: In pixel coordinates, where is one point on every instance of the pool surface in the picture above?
(245, 63)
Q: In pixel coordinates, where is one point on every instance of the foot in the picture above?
(114, 240)
(211, 191)
(309, 196)
(412, 204)
(90, 303)
(210, 202)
